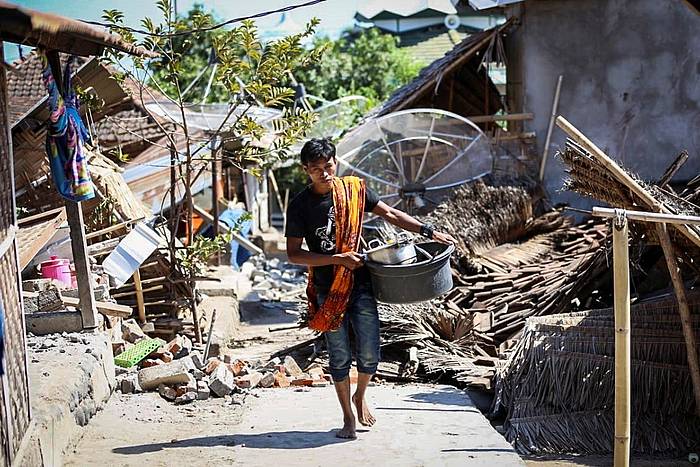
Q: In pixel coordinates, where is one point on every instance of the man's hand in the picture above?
(444, 238)
(350, 260)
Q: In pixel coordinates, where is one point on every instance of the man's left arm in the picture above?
(407, 222)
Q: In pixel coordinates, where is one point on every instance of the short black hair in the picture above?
(317, 149)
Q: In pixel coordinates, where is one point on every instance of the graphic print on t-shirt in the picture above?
(326, 234)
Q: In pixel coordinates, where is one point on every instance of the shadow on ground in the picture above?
(269, 440)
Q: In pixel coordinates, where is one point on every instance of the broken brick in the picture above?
(175, 345)
(302, 381)
(281, 380)
(212, 365)
(149, 362)
(166, 392)
(237, 367)
(249, 381)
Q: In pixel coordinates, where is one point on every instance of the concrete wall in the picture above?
(631, 80)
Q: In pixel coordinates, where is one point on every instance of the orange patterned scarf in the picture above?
(349, 205)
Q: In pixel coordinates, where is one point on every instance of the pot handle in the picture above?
(420, 250)
(371, 244)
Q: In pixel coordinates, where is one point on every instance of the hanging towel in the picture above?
(65, 138)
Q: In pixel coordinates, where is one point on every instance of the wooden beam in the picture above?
(112, 228)
(623, 391)
(683, 309)
(87, 307)
(139, 296)
(673, 169)
(622, 176)
(106, 308)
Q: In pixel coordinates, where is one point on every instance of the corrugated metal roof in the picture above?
(372, 9)
(486, 4)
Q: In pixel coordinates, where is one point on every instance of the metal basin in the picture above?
(418, 282)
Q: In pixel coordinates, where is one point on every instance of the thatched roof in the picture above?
(431, 77)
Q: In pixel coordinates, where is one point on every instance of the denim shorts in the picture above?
(363, 317)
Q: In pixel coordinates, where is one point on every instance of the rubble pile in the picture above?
(180, 374)
(509, 266)
(274, 280)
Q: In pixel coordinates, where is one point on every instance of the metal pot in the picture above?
(430, 277)
(400, 251)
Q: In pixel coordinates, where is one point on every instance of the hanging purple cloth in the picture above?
(65, 138)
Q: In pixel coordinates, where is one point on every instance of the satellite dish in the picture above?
(452, 21)
(412, 158)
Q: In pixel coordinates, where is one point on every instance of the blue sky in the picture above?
(335, 15)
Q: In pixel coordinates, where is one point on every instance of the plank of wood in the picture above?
(107, 308)
(501, 118)
(81, 260)
(139, 296)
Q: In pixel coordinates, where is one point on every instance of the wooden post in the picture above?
(215, 194)
(550, 128)
(88, 310)
(686, 320)
(139, 296)
(622, 341)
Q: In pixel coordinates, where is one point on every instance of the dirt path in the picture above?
(418, 425)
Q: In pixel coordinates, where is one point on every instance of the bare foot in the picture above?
(348, 430)
(364, 416)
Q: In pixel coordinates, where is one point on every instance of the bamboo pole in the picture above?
(648, 216)
(621, 175)
(622, 342)
(683, 309)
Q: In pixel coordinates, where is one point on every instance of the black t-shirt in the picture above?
(311, 216)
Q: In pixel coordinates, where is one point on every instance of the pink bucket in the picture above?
(58, 269)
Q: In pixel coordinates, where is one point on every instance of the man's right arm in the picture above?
(298, 255)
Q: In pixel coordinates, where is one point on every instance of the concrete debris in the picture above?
(267, 381)
(167, 392)
(186, 398)
(221, 381)
(203, 391)
(176, 372)
(291, 366)
(131, 331)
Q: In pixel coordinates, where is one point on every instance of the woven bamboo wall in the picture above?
(14, 394)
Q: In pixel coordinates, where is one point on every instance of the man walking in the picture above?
(328, 215)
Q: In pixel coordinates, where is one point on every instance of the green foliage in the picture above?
(192, 259)
(249, 73)
(194, 52)
(369, 64)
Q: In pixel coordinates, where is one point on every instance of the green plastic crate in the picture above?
(138, 352)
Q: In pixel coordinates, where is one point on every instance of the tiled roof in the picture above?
(429, 44)
(127, 127)
(24, 85)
